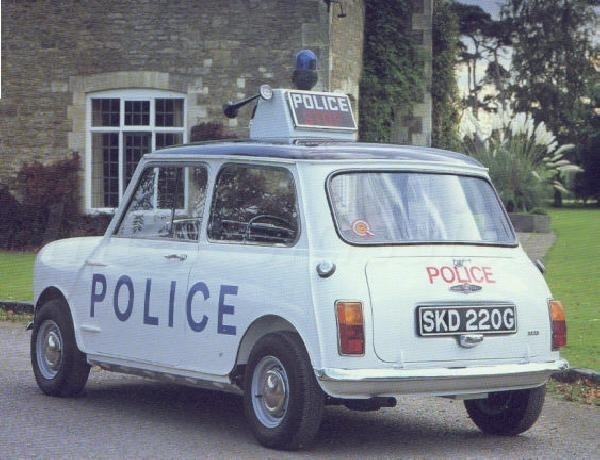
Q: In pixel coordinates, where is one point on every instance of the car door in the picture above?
(136, 282)
(250, 266)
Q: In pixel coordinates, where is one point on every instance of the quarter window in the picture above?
(254, 204)
(122, 128)
(167, 203)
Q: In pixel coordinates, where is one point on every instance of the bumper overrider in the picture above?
(369, 383)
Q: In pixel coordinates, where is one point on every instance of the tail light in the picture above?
(351, 331)
(558, 323)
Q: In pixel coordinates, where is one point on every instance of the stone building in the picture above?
(114, 80)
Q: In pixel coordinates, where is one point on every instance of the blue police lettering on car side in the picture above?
(97, 278)
(225, 309)
(124, 280)
(98, 294)
(196, 326)
(153, 320)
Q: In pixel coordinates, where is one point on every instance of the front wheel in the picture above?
(507, 413)
(60, 368)
(282, 400)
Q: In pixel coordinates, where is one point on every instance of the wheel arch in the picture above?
(258, 328)
(48, 294)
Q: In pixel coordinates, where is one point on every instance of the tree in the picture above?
(484, 41)
(553, 68)
(587, 183)
(552, 72)
(444, 89)
(552, 62)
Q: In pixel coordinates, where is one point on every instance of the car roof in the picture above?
(316, 149)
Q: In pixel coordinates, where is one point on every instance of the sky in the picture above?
(490, 6)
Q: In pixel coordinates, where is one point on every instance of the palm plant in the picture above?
(523, 158)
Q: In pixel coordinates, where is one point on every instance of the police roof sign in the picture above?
(321, 110)
(292, 114)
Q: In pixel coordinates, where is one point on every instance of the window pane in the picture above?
(105, 170)
(401, 207)
(165, 139)
(137, 113)
(142, 219)
(105, 112)
(134, 146)
(254, 204)
(169, 112)
(167, 203)
(170, 188)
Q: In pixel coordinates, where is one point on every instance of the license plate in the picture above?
(453, 320)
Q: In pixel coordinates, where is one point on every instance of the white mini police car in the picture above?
(301, 268)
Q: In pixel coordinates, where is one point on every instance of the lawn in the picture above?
(16, 272)
(573, 274)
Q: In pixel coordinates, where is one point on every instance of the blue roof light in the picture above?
(305, 74)
(306, 60)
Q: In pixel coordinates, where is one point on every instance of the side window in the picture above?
(167, 203)
(254, 204)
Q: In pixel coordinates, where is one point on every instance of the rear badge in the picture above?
(465, 288)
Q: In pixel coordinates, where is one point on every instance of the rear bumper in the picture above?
(369, 383)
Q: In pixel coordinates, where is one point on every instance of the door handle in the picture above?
(95, 263)
(180, 257)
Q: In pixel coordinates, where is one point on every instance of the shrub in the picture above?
(50, 207)
(514, 178)
(209, 131)
(523, 159)
(586, 184)
(10, 211)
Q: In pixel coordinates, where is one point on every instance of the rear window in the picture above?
(413, 207)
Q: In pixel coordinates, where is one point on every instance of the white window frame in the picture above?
(125, 95)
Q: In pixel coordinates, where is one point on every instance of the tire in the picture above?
(507, 413)
(288, 417)
(60, 368)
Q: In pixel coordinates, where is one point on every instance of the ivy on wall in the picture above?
(393, 71)
(446, 104)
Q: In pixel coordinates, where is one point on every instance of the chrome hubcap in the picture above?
(270, 390)
(49, 349)
(274, 392)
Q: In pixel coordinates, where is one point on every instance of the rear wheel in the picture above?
(282, 399)
(60, 368)
(507, 412)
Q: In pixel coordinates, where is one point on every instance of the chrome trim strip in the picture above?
(459, 381)
(391, 374)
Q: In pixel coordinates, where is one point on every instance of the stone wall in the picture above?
(347, 48)
(54, 52)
